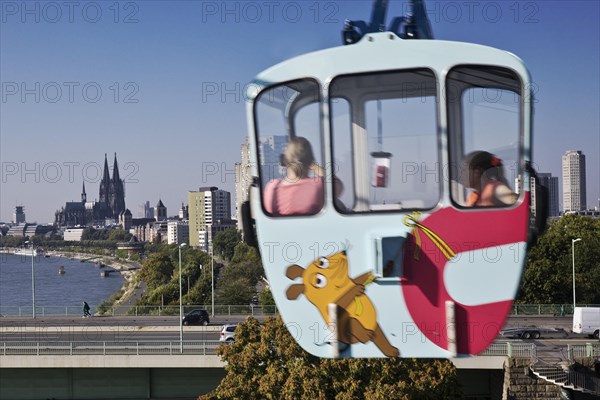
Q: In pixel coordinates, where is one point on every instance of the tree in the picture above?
(548, 277)
(119, 235)
(225, 242)
(237, 281)
(157, 270)
(237, 290)
(88, 233)
(265, 297)
(265, 362)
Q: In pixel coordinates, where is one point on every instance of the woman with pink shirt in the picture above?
(300, 192)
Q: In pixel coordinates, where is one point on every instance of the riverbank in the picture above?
(131, 289)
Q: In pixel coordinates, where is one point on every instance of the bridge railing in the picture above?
(187, 347)
(66, 311)
(546, 309)
(510, 349)
(209, 347)
(244, 309)
(583, 350)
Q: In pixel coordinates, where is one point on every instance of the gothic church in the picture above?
(110, 204)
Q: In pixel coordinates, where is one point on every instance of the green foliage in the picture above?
(119, 235)
(235, 290)
(151, 248)
(160, 271)
(548, 277)
(225, 242)
(243, 252)
(157, 270)
(265, 297)
(12, 241)
(90, 233)
(120, 253)
(105, 306)
(265, 362)
(237, 281)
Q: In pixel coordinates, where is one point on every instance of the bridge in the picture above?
(155, 370)
(85, 360)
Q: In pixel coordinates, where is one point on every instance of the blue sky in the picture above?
(161, 84)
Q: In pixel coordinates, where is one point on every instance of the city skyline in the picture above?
(141, 79)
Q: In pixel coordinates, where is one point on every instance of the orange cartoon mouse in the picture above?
(326, 281)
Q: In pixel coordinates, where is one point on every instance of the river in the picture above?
(54, 293)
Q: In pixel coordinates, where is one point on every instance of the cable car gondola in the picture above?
(401, 252)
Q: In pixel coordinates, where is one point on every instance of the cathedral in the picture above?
(110, 204)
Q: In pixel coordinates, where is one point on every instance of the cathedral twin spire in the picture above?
(112, 191)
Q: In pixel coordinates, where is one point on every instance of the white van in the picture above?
(586, 320)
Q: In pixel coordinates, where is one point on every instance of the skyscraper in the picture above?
(209, 212)
(551, 183)
(573, 171)
(243, 179)
(270, 149)
(19, 215)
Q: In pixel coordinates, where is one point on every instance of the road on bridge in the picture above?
(166, 328)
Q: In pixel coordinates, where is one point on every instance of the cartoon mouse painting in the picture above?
(326, 281)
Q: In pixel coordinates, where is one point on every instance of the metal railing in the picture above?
(56, 310)
(583, 350)
(190, 347)
(546, 309)
(566, 377)
(138, 311)
(509, 349)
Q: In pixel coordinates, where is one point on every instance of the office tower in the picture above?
(573, 171)
(144, 210)
(209, 212)
(243, 179)
(178, 232)
(551, 183)
(19, 215)
(270, 149)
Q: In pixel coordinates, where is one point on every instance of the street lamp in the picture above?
(32, 278)
(573, 254)
(180, 304)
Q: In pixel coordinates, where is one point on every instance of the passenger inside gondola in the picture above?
(300, 191)
(484, 175)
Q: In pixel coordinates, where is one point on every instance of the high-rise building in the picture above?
(270, 149)
(551, 183)
(243, 179)
(209, 209)
(178, 232)
(19, 215)
(573, 180)
(144, 210)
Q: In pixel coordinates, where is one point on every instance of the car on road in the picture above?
(196, 317)
(228, 333)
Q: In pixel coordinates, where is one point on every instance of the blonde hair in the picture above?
(298, 156)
